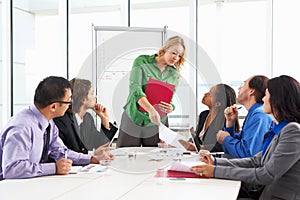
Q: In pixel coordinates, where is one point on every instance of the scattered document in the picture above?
(170, 137)
(75, 169)
(91, 168)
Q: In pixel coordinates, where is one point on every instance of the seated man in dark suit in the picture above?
(77, 127)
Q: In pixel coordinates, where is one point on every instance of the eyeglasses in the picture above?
(65, 102)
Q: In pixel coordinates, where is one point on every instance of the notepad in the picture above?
(157, 91)
(182, 170)
(185, 166)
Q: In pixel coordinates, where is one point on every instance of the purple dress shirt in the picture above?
(21, 146)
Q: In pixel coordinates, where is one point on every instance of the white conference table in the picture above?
(116, 183)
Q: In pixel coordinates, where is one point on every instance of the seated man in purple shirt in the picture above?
(30, 138)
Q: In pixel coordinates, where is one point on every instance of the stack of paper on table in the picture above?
(182, 169)
(184, 166)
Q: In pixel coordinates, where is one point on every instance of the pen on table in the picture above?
(120, 154)
(66, 153)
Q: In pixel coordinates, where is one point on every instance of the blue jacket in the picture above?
(249, 141)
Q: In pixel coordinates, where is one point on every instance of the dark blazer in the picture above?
(85, 139)
(209, 138)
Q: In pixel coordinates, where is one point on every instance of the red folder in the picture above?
(157, 91)
(178, 174)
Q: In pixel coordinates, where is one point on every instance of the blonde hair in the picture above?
(172, 41)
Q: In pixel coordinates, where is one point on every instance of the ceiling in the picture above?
(51, 6)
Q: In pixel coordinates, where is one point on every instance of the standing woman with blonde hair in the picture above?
(140, 128)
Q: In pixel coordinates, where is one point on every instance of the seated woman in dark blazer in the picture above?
(211, 121)
(77, 127)
(277, 167)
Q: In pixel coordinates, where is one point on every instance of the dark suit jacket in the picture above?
(209, 138)
(85, 139)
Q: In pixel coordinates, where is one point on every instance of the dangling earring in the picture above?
(217, 104)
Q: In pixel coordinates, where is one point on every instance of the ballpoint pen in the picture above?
(237, 108)
(66, 153)
(111, 141)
